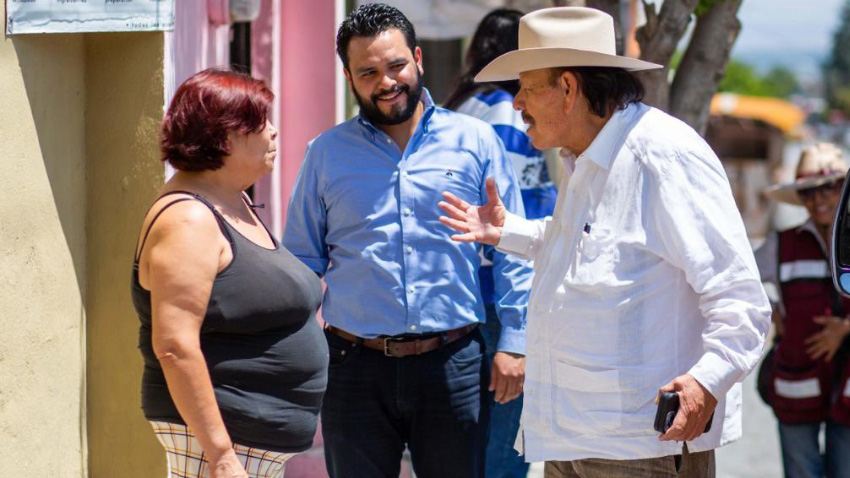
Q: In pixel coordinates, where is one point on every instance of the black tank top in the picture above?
(265, 351)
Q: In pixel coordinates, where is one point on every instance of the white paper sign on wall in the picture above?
(78, 16)
(244, 10)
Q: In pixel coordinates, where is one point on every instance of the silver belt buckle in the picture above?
(387, 341)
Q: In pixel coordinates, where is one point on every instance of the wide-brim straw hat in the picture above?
(819, 164)
(562, 37)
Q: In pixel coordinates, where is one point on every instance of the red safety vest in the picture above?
(805, 390)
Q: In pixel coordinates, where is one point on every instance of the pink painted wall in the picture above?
(303, 74)
(307, 65)
(262, 47)
(194, 44)
(292, 48)
(262, 61)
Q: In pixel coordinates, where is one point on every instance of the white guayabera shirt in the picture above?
(643, 273)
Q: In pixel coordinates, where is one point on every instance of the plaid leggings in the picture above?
(186, 458)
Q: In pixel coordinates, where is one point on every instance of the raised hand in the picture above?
(482, 224)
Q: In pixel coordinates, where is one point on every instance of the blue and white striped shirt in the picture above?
(538, 191)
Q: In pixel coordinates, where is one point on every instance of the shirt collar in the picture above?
(809, 226)
(568, 158)
(603, 149)
(424, 121)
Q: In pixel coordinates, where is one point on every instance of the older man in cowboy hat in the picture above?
(644, 278)
(808, 388)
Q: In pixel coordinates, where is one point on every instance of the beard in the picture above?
(399, 113)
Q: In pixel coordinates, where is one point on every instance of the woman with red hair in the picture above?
(235, 362)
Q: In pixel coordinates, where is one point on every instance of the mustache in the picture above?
(395, 89)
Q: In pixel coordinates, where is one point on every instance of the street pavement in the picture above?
(756, 454)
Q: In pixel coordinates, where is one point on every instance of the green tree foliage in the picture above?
(837, 68)
(743, 79)
(781, 82)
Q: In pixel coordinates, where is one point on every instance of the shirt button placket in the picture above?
(407, 227)
(410, 291)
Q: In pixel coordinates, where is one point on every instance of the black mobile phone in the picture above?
(668, 405)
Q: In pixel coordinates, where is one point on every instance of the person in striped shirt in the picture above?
(493, 103)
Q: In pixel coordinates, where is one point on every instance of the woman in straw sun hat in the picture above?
(819, 165)
(807, 386)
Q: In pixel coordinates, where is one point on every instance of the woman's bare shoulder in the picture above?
(180, 218)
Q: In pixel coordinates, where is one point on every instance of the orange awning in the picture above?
(774, 111)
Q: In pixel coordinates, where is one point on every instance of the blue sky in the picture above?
(795, 33)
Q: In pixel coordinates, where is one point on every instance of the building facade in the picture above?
(81, 165)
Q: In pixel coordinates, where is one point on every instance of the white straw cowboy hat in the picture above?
(819, 164)
(564, 36)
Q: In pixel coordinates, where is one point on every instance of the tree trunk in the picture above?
(569, 3)
(611, 7)
(704, 63)
(658, 39)
(528, 6)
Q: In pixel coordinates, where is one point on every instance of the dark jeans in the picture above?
(801, 455)
(502, 460)
(434, 403)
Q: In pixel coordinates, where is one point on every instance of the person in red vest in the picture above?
(809, 382)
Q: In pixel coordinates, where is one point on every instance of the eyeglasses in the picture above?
(827, 189)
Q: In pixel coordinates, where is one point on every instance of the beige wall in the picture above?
(42, 255)
(124, 104)
(78, 128)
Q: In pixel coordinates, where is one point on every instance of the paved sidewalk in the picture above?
(756, 454)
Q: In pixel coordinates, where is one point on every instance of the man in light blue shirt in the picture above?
(402, 300)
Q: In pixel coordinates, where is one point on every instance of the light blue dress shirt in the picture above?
(364, 215)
